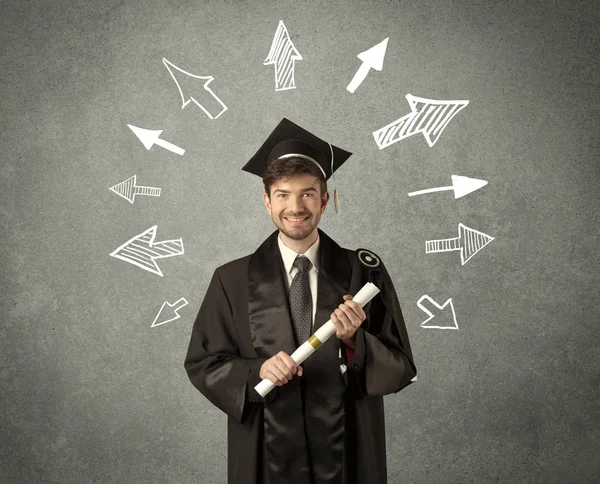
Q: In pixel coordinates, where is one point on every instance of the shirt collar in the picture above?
(289, 256)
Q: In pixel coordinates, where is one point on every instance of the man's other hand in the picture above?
(347, 318)
(280, 369)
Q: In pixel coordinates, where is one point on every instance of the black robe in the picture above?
(326, 427)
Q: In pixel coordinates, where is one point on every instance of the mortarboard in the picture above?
(288, 139)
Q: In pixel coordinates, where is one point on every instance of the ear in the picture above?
(324, 200)
(267, 202)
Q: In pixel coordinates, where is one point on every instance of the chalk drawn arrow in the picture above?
(128, 189)
(461, 185)
(469, 242)
(371, 59)
(142, 251)
(284, 55)
(150, 137)
(444, 314)
(427, 116)
(203, 97)
(169, 312)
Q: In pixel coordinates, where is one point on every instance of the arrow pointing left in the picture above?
(129, 188)
(142, 251)
(150, 137)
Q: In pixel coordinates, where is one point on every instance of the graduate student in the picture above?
(323, 423)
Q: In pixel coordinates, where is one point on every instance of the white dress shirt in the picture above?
(289, 256)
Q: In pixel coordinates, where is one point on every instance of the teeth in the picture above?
(296, 219)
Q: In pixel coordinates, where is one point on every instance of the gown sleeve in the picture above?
(213, 362)
(382, 362)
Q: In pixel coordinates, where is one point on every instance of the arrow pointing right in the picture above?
(461, 185)
(469, 242)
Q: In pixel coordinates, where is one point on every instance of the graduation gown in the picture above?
(326, 426)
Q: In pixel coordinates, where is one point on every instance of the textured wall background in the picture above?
(90, 392)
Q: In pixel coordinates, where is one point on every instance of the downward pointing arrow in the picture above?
(371, 59)
(445, 311)
(461, 185)
(150, 137)
(169, 312)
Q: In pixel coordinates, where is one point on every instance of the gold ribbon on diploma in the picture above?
(315, 342)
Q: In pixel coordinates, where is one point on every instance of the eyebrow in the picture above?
(311, 189)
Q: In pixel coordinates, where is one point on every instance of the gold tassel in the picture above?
(336, 202)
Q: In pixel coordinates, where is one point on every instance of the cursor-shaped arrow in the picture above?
(283, 54)
(443, 311)
(469, 242)
(128, 189)
(427, 116)
(150, 137)
(371, 59)
(169, 312)
(142, 251)
(461, 185)
(208, 101)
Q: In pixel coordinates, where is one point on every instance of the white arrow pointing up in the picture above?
(371, 59)
(461, 185)
(150, 137)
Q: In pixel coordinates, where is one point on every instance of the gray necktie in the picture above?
(301, 300)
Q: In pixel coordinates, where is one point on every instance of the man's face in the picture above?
(296, 205)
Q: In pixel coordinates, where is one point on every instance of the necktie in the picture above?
(301, 300)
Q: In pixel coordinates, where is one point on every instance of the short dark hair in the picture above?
(279, 169)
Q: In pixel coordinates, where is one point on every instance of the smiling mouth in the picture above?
(296, 220)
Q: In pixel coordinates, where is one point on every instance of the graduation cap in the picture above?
(290, 140)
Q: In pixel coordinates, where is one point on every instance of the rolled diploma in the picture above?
(362, 297)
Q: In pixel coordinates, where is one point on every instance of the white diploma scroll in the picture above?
(362, 297)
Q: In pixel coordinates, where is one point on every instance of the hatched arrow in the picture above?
(128, 189)
(151, 137)
(427, 116)
(461, 185)
(444, 314)
(142, 251)
(203, 97)
(469, 242)
(284, 55)
(371, 59)
(169, 312)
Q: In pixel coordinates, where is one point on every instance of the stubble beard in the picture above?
(298, 234)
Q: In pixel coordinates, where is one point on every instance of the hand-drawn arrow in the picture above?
(150, 137)
(210, 97)
(142, 251)
(169, 312)
(469, 242)
(371, 59)
(283, 54)
(428, 116)
(128, 189)
(461, 185)
(443, 310)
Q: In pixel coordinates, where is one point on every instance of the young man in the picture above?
(324, 421)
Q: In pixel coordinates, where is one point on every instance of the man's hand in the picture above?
(280, 369)
(347, 318)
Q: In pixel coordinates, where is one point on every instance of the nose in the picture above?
(296, 204)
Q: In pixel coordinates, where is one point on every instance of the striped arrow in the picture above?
(427, 116)
(283, 54)
(469, 242)
(167, 310)
(128, 189)
(142, 251)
